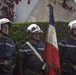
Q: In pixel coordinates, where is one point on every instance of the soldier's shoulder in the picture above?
(64, 41)
(10, 40)
(42, 44)
(24, 46)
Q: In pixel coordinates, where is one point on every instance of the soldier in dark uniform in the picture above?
(67, 51)
(6, 48)
(28, 62)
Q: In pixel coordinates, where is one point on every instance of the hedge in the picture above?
(18, 31)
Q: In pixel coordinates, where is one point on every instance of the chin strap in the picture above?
(4, 33)
(73, 34)
(35, 39)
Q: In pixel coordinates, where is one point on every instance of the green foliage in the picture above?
(61, 30)
(18, 31)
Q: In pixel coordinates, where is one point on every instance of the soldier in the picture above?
(6, 48)
(67, 51)
(30, 54)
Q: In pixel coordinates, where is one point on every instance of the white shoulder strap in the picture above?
(39, 56)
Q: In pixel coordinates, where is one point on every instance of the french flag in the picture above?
(51, 48)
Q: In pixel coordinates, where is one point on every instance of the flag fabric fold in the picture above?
(51, 48)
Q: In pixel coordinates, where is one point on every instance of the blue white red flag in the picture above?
(52, 55)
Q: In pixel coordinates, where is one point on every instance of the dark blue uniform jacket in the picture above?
(28, 59)
(6, 53)
(67, 52)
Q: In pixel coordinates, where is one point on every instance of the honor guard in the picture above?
(6, 48)
(67, 51)
(30, 61)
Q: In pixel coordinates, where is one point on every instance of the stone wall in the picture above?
(41, 13)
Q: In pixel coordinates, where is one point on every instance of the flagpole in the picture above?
(50, 13)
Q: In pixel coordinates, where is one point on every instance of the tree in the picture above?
(65, 5)
(7, 8)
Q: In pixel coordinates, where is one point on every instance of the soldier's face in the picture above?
(35, 36)
(74, 31)
(5, 29)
